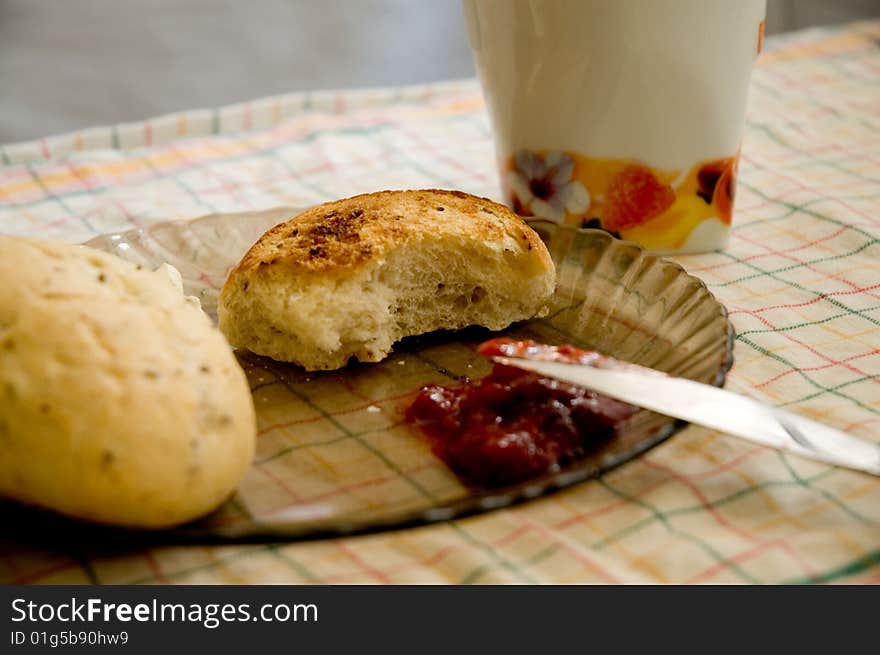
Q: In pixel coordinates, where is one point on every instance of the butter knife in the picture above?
(711, 407)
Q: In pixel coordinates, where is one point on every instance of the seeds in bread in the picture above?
(120, 403)
(350, 278)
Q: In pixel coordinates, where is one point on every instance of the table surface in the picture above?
(801, 279)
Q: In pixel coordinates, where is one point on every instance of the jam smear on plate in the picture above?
(514, 425)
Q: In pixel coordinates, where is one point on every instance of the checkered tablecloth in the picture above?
(801, 279)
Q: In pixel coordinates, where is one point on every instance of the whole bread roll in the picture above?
(120, 403)
(350, 278)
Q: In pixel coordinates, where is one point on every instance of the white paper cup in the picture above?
(621, 114)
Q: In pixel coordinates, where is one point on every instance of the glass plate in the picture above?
(333, 454)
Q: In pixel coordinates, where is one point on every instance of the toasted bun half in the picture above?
(350, 278)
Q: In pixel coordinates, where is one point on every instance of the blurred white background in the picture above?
(68, 64)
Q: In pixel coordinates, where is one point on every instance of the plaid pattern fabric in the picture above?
(801, 279)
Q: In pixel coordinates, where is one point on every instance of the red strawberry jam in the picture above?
(514, 425)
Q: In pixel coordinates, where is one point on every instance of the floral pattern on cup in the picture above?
(716, 182)
(542, 186)
(658, 208)
(635, 196)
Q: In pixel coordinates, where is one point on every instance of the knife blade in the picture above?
(715, 408)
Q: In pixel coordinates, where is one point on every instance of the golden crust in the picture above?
(347, 233)
(119, 401)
